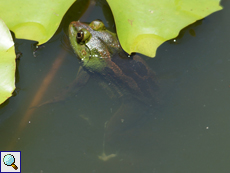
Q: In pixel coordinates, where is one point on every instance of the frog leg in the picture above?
(79, 82)
(103, 155)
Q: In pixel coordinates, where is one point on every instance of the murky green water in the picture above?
(188, 131)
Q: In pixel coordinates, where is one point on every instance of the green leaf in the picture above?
(7, 63)
(143, 25)
(34, 20)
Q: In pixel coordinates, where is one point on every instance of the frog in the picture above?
(122, 76)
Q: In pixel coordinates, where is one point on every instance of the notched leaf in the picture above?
(142, 26)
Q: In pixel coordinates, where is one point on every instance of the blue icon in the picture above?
(9, 160)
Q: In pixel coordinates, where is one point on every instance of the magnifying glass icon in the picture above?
(9, 160)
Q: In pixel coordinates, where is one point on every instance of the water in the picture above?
(189, 131)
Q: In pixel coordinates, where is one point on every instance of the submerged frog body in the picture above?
(100, 53)
(126, 77)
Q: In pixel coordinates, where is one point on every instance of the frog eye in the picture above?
(82, 35)
(97, 25)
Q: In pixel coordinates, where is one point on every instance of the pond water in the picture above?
(187, 132)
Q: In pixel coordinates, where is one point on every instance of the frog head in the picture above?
(93, 43)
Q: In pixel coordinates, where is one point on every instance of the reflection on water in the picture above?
(187, 132)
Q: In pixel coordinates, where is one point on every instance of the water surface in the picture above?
(188, 131)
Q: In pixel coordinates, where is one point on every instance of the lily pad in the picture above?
(34, 20)
(7, 63)
(142, 26)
